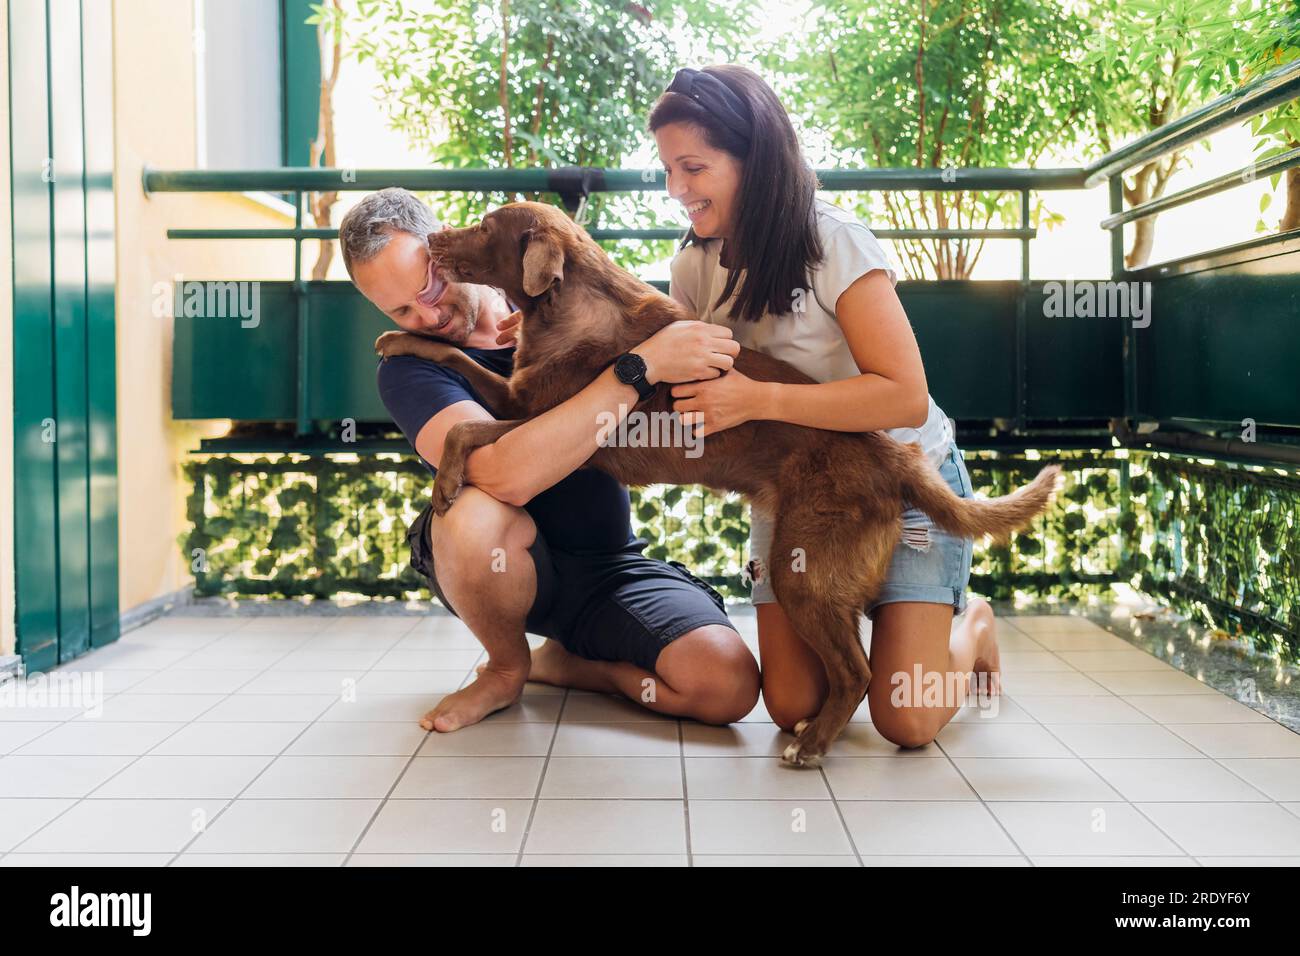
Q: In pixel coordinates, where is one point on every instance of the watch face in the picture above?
(629, 368)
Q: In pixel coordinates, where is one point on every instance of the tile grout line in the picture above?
(686, 794)
(296, 738)
(839, 812)
(541, 780)
(1127, 802)
(79, 800)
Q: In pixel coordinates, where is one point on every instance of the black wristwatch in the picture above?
(629, 368)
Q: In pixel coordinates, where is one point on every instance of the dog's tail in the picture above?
(925, 489)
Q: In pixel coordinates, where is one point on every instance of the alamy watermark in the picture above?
(638, 429)
(1088, 299)
(209, 299)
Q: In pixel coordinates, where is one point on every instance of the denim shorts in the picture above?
(929, 564)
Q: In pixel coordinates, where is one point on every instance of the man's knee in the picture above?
(714, 671)
(478, 536)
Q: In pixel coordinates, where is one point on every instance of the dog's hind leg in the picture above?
(824, 603)
(462, 438)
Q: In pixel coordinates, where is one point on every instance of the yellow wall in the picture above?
(155, 124)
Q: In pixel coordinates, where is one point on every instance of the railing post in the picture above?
(1022, 304)
(1117, 272)
(301, 318)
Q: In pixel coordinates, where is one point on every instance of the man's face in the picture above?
(394, 279)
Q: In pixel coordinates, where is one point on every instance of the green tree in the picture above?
(1155, 60)
(527, 83)
(943, 83)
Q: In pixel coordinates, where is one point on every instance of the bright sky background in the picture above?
(1078, 249)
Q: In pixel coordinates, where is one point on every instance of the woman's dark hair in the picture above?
(775, 239)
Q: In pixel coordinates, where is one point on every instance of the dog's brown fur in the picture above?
(836, 497)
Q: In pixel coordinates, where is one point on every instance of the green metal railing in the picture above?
(574, 185)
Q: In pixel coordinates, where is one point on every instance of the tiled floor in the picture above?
(268, 740)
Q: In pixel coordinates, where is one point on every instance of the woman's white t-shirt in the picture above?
(809, 339)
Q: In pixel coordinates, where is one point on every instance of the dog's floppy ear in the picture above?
(543, 261)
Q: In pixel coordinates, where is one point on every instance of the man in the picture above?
(532, 542)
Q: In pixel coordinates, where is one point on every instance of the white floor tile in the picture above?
(286, 826)
(608, 826)
(1072, 709)
(230, 740)
(359, 739)
(491, 740)
(999, 740)
(328, 777)
(1228, 829)
(448, 826)
(753, 778)
(96, 738)
(20, 818)
(1174, 780)
(124, 826)
(1122, 740)
(767, 826)
(183, 778)
(46, 776)
(617, 740)
(1278, 777)
(1092, 828)
(614, 778)
(1034, 778)
(1241, 740)
(470, 778)
(888, 828)
(889, 778)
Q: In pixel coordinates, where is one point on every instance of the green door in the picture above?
(65, 433)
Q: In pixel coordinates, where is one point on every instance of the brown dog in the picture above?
(838, 497)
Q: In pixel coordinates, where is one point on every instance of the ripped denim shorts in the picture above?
(928, 565)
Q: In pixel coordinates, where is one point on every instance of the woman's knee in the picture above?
(790, 701)
(904, 726)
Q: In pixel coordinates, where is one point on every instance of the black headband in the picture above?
(715, 96)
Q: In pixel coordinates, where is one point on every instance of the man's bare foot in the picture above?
(988, 659)
(551, 664)
(492, 690)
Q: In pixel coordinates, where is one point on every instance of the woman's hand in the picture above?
(506, 330)
(687, 351)
(721, 403)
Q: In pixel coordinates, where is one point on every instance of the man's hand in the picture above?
(688, 351)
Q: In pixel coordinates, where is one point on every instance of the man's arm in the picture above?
(545, 449)
(539, 452)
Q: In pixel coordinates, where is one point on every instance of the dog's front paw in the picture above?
(444, 493)
(393, 343)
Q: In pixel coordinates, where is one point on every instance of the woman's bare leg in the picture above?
(903, 636)
(794, 679)
(915, 639)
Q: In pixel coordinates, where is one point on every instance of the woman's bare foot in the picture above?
(988, 659)
(492, 690)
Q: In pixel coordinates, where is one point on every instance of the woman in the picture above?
(804, 281)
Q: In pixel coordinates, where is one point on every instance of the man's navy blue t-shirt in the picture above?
(587, 511)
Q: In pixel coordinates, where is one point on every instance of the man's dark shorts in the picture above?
(607, 606)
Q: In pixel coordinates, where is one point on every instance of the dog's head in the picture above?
(519, 248)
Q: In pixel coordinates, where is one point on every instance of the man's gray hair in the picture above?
(370, 224)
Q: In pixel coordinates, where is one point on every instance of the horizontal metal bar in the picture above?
(593, 180)
(252, 233)
(604, 234)
(1270, 90)
(1217, 185)
(954, 233)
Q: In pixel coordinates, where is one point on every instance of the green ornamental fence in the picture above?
(1164, 493)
